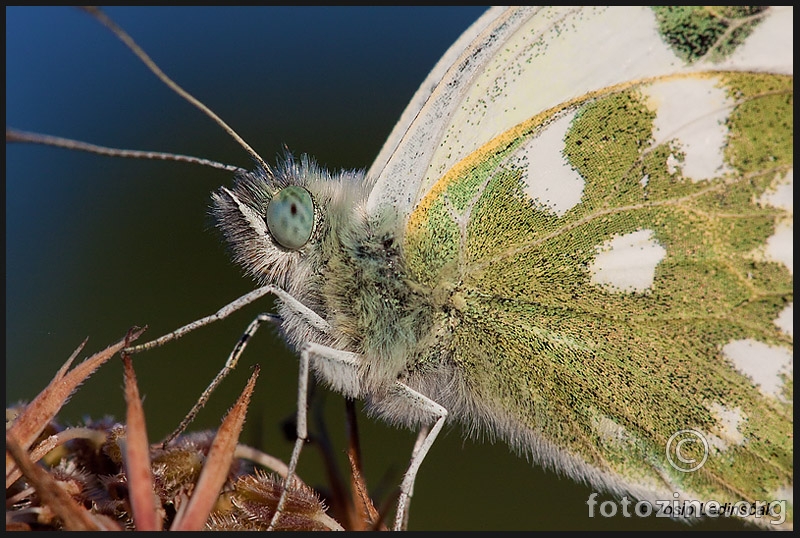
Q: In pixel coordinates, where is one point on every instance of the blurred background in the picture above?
(95, 245)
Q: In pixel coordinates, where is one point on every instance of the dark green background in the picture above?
(95, 245)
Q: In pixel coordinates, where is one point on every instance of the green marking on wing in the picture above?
(696, 31)
(611, 376)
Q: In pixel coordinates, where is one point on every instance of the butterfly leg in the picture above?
(427, 436)
(341, 369)
(311, 317)
(230, 364)
(345, 364)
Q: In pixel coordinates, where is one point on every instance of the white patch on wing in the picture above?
(627, 263)
(780, 245)
(781, 193)
(770, 48)
(762, 363)
(728, 422)
(548, 178)
(610, 431)
(673, 164)
(562, 52)
(785, 320)
(692, 112)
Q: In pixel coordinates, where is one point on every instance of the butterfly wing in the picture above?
(405, 157)
(609, 207)
(401, 130)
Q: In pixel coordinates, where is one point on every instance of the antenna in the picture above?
(13, 135)
(151, 65)
(142, 55)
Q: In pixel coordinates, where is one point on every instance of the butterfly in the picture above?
(478, 185)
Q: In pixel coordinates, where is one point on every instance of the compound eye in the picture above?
(290, 217)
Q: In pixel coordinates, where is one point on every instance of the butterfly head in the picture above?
(277, 221)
